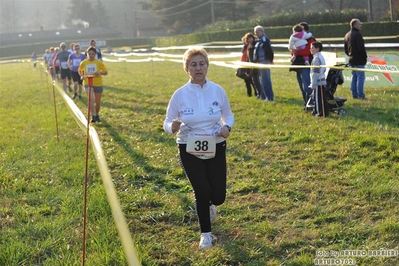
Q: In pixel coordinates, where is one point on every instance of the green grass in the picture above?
(296, 184)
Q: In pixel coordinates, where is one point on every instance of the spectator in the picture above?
(264, 54)
(318, 80)
(303, 74)
(199, 112)
(93, 66)
(298, 42)
(250, 41)
(245, 73)
(355, 50)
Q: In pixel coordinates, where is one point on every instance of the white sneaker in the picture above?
(206, 241)
(212, 212)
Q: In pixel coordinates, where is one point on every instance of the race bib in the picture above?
(91, 69)
(202, 146)
(76, 62)
(64, 65)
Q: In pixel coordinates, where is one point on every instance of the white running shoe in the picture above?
(212, 212)
(206, 240)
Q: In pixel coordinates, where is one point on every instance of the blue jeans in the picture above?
(303, 77)
(357, 83)
(266, 82)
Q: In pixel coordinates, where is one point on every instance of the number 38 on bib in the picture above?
(202, 146)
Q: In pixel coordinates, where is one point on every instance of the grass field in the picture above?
(297, 185)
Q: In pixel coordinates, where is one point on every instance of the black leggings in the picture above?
(208, 179)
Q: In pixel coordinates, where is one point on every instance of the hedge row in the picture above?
(290, 18)
(319, 31)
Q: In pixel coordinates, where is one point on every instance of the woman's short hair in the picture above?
(259, 28)
(247, 35)
(91, 48)
(191, 52)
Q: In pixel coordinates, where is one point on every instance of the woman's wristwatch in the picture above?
(228, 127)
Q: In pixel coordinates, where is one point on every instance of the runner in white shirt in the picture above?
(200, 114)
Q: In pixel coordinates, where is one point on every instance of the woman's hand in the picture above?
(224, 132)
(176, 126)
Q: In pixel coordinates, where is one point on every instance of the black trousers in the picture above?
(249, 84)
(320, 100)
(208, 179)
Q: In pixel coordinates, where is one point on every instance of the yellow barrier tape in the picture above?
(119, 218)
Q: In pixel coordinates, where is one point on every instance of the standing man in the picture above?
(355, 50)
(264, 54)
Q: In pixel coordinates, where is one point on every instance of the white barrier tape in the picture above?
(156, 54)
(240, 64)
(120, 222)
(12, 61)
(275, 42)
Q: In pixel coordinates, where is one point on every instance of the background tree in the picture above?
(102, 15)
(82, 11)
(191, 15)
(334, 4)
(9, 16)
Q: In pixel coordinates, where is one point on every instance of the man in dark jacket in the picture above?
(264, 54)
(355, 50)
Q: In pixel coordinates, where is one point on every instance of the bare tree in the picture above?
(8, 16)
(334, 4)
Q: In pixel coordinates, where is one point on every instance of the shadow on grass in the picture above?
(363, 111)
(376, 115)
(136, 157)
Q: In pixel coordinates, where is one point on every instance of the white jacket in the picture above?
(202, 111)
(317, 75)
(298, 39)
